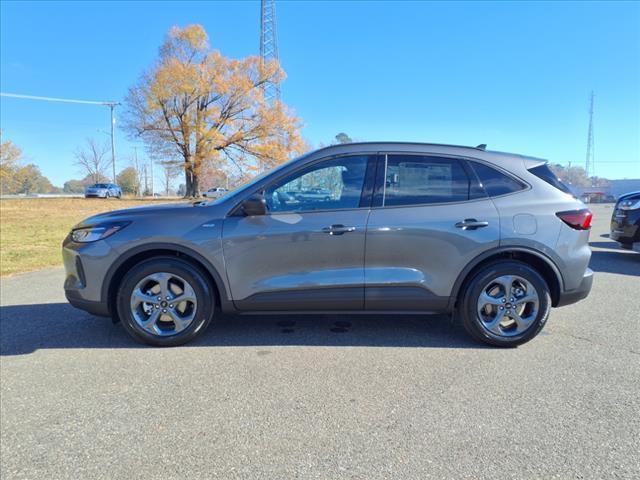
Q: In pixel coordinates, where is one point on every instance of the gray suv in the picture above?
(494, 239)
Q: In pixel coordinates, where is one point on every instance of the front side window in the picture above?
(329, 185)
(416, 180)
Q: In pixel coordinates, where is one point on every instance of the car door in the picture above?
(430, 217)
(307, 252)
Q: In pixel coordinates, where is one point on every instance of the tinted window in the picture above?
(544, 172)
(415, 179)
(494, 182)
(328, 185)
(100, 185)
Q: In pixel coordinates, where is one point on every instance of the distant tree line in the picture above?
(577, 176)
(18, 178)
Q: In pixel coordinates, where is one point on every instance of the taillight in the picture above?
(577, 219)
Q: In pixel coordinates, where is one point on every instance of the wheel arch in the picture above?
(540, 262)
(136, 255)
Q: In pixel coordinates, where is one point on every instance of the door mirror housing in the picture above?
(254, 205)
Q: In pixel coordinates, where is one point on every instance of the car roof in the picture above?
(434, 148)
(630, 194)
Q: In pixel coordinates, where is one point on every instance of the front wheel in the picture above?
(505, 304)
(165, 301)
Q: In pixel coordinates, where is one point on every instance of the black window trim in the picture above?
(367, 187)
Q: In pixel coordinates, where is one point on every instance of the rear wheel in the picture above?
(165, 301)
(506, 304)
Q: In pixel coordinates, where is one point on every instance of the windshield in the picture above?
(99, 185)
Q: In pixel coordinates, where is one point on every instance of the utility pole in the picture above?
(589, 163)
(151, 162)
(137, 169)
(112, 107)
(269, 45)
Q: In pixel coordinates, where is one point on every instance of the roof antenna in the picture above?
(482, 146)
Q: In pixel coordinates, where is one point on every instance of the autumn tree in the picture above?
(210, 108)
(73, 186)
(10, 156)
(29, 179)
(93, 160)
(128, 181)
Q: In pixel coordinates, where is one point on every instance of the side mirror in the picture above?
(254, 205)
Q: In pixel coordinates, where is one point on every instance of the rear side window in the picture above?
(419, 180)
(545, 173)
(495, 182)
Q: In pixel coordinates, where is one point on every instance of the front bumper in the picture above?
(573, 296)
(100, 309)
(84, 266)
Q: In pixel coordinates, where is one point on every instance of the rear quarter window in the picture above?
(494, 182)
(543, 172)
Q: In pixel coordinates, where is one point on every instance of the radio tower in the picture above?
(589, 166)
(269, 45)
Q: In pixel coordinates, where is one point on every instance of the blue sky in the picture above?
(516, 76)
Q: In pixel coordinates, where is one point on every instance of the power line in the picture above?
(54, 99)
(111, 105)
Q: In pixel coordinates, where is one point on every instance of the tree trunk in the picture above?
(192, 184)
(195, 186)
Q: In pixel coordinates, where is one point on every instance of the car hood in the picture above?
(131, 214)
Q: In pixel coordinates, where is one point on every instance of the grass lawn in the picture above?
(32, 229)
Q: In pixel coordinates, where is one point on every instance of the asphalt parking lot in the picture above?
(364, 397)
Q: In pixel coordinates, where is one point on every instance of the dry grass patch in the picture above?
(32, 230)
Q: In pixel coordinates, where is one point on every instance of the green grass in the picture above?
(32, 230)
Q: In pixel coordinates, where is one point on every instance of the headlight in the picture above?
(96, 232)
(629, 204)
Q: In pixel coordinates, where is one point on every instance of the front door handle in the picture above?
(338, 229)
(471, 224)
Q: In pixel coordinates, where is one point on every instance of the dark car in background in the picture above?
(625, 221)
(103, 190)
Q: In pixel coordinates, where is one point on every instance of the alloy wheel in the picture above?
(163, 304)
(508, 305)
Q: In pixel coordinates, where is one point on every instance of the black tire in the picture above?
(468, 309)
(204, 293)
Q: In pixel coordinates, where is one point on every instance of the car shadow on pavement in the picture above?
(614, 259)
(27, 328)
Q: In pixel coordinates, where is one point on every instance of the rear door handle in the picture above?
(471, 224)
(338, 229)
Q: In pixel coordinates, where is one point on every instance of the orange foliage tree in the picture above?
(211, 109)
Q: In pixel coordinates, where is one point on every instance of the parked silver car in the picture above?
(493, 238)
(103, 190)
(215, 192)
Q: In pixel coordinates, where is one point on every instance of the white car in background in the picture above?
(215, 192)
